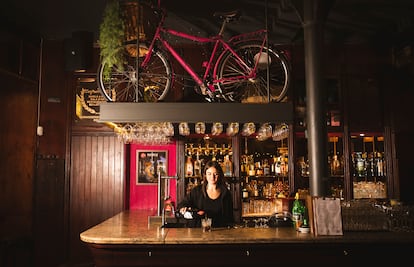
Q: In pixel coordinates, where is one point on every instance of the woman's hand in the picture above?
(183, 210)
(201, 212)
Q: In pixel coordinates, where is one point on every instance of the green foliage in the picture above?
(111, 35)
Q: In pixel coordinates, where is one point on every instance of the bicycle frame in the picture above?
(220, 46)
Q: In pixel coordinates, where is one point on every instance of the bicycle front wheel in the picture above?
(270, 82)
(126, 84)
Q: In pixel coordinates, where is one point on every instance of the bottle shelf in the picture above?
(369, 177)
(266, 176)
(330, 176)
(198, 151)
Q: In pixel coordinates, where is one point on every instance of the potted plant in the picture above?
(112, 35)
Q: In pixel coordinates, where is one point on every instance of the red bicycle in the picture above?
(241, 69)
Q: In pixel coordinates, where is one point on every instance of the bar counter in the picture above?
(128, 239)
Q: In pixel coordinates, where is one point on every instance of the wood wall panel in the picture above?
(53, 103)
(97, 181)
(18, 113)
(18, 104)
(365, 104)
(49, 198)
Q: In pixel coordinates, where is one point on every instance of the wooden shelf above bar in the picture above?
(195, 112)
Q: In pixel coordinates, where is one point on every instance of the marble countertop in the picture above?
(133, 227)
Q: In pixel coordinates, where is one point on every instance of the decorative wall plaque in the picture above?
(88, 102)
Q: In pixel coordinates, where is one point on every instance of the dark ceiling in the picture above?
(347, 21)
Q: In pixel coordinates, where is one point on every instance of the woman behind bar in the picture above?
(211, 199)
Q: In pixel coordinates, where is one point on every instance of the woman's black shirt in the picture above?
(220, 209)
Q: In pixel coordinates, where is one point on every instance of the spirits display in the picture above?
(199, 151)
(335, 163)
(264, 176)
(368, 167)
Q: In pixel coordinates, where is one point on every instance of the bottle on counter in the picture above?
(297, 212)
(305, 227)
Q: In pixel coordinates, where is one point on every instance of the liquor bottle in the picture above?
(266, 167)
(335, 165)
(252, 171)
(360, 164)
(305, 228)
(244, 166)
(286, 160)
(259, 168)
(189, 168)
(272, 166)
(278, 164)
(380, 165)
(255, 189)
(245, 190)
(197, 166)
(297, 212)
(283, 166)
(227, 166)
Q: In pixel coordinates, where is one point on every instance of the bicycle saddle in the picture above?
(228, 16)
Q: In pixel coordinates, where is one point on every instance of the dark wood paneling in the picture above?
(19, 54)
(18, 103)
(365, 105)
(49, 212)
(97, 182)
(258, 254)
(362, 60)
(53, 103)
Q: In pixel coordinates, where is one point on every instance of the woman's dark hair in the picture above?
(220, 179)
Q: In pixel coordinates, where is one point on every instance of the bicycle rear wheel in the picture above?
(254, 90)
(126, 84)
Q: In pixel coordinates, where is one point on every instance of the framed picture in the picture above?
(150, 164)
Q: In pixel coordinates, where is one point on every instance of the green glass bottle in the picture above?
(305, 228)
(297, 212)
